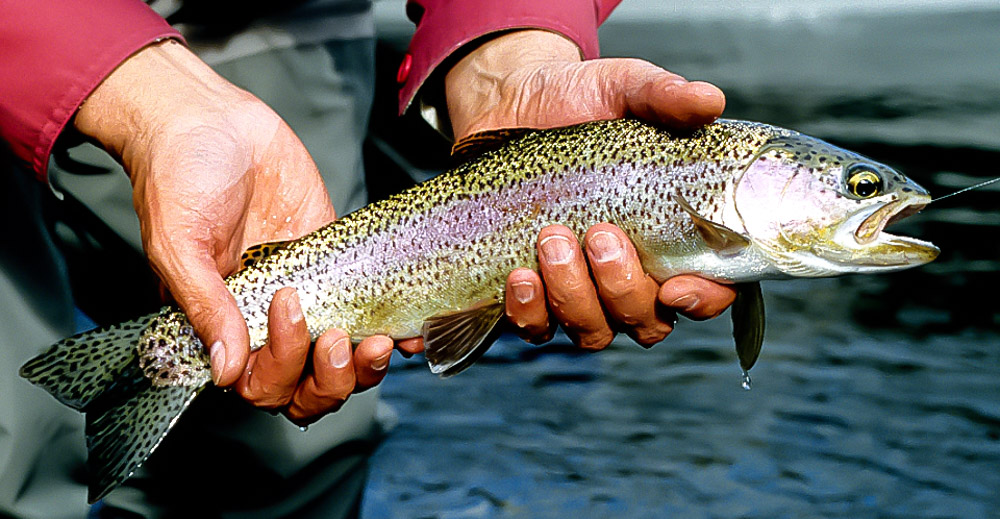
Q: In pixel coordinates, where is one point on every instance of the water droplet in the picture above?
(304, 428)
(746, 380)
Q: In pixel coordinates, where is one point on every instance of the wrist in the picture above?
(143, 95)
(474, 86)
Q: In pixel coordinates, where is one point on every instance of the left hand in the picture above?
(214, 170)
(536, 79)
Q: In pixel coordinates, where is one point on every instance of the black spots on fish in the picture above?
(170, 353)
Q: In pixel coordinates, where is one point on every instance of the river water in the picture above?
(875, 396)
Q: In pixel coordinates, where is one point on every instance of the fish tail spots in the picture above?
(99, 373)
(79, 369)
(125, 427)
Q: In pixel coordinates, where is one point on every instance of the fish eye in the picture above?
(863, 182)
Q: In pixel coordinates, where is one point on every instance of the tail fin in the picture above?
(98, 372)
(79, 369)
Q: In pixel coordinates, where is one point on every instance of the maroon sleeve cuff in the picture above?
(53, 53)
(444, 26)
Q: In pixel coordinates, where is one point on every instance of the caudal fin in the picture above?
(98, 372)
(79, 369)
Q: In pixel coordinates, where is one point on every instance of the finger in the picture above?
(652, 93)
(571, 293)
(331, 382)
(525, 306)
(696, 298)
(409, 347)
(371, 361)
(212, 311)
(274, 371)
(628, 293)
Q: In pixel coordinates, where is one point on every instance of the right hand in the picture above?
(536, 79)
(214, 171)
(599, 289)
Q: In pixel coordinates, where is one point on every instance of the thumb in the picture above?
(216, 318)
(656, 95)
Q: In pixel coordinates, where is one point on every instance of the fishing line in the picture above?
(970, 188)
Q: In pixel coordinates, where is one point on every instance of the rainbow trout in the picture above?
(735, 202)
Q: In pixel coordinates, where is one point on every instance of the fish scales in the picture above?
(445, 243)
(736, 202)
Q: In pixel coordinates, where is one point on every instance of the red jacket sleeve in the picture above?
(444, 26)
(53, 53)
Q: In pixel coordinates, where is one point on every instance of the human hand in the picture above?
(619, 297)
(536, 79)
(214, 171)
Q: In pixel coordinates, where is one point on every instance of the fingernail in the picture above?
(556, 249)
(604, 247)
(340, 354)
(380, 363)
(685, 302)
(523, 291)
(293, 309)
(218, 355)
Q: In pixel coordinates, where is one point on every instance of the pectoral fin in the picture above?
(455, 340)
(720, 238)
(748, 323)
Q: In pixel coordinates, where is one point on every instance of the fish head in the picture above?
(819, 210)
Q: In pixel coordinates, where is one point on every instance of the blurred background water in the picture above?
(873, 397)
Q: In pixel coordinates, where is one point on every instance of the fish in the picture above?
(734, 201)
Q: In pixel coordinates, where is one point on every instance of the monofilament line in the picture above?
(970, 188)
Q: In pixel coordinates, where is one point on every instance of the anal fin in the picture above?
(748, 323)
(453, 341)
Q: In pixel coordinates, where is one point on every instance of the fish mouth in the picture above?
(881, 249)
(892, 212)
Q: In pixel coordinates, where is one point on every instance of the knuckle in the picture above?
(596, 341)
(266, 396)
(649, 336)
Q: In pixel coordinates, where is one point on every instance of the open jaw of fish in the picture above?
(863, 246)
(890, 250)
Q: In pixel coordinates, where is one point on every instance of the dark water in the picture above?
(873, 397)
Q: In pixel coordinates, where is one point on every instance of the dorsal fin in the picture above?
(720, 238)
(455, 340)
(748, 323)
(482, 142)
(258, 252)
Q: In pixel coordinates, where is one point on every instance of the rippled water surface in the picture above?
(873, 397)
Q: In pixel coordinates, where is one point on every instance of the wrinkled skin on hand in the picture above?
(214, 171)
(535, 79)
